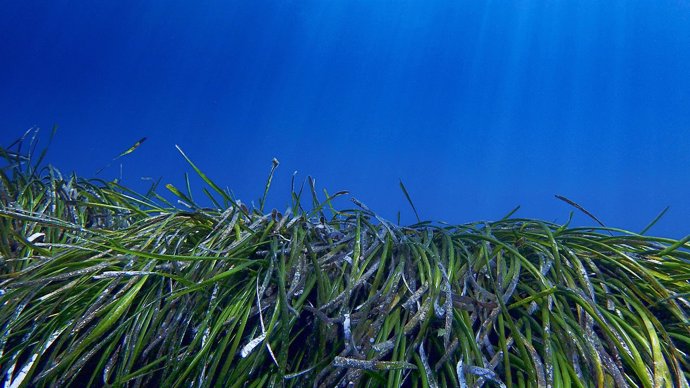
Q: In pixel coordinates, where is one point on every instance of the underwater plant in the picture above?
(104, 286)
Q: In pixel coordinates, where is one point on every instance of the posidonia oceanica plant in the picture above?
(104, 286)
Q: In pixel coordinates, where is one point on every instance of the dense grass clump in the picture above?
(100, 285)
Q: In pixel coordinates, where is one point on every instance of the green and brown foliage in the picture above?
(103, 286)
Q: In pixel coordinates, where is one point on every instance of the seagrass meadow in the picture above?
(104, 286)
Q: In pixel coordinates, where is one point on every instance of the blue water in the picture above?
(478, 106)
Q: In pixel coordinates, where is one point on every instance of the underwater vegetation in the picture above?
(104, 286)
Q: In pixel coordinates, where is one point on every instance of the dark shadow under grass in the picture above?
(101, 286)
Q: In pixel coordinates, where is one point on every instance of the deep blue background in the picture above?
(478, 106)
